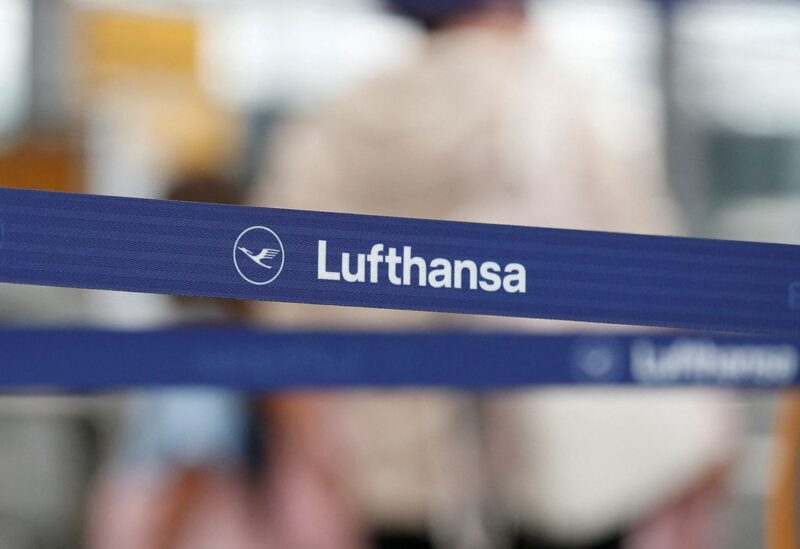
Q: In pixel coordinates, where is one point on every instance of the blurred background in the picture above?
(190, 99)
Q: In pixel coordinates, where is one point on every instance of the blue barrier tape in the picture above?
(87, 359)
(365, 261)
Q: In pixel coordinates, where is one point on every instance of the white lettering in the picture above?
(408, 269)
(490, 273)
(322, 260)
(471, 268)
(350, 276)
(393, 260)
(441, 275)
(411, 261)
(515, 279)
(373, 259)
(697, 361)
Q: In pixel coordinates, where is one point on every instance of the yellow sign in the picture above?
(118, 44)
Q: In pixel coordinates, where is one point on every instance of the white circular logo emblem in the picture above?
(258, 255)
(598, 359)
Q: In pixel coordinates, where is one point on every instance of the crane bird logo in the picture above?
(258, 255)
(265, 253)
(597, 359)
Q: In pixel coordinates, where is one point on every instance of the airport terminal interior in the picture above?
(676, 117)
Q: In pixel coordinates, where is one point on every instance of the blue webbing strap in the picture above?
(365, 261)
(87, 359)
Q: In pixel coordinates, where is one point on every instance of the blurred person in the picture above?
(483, 127)
(202, 467)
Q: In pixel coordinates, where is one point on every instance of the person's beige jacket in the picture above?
(483, 128)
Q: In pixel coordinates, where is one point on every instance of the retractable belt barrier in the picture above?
(86, 359)
(181, 248)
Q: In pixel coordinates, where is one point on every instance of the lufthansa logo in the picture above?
(597, 360)
(258, 255)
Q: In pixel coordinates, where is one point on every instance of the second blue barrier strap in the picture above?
(365, 261)
(87, 359)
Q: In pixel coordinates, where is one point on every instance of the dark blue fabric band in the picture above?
(269, 254)
(89, 360)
